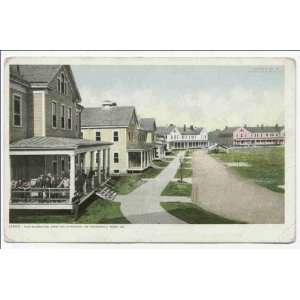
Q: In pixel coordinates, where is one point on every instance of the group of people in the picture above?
(41, 186)
(43, 181)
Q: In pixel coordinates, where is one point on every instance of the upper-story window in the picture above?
(116, 136)
(54, 114)
(116, 157)
(62, 84)
(17, 110)
(70, 118)
(98, 136)
(62, 116)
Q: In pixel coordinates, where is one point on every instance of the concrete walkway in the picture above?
(217, 189)
(142, 206)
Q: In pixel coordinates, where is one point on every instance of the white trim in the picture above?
(41, 206)
(103, 127)
(43, 111)
(21, 108)
(41, 152)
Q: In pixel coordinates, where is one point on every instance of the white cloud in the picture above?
(201, 108)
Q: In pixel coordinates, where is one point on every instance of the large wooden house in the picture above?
(48, 157)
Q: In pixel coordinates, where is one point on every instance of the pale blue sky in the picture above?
(209, 96)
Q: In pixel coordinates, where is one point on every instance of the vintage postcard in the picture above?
(140, 148)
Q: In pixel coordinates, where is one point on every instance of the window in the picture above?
(62, 116)
(116, 136)
(58, 84)
(62, 83)
(63, 164)
(98, 136)
(116, 171)
(70, 118)
(17, 111)
(116, 158)
(53, 114)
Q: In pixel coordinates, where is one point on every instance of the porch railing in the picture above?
(40, 195)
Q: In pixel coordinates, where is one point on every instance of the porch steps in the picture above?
(106, 193)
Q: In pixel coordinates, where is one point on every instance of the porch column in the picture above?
(104, 163)
(108, 162)
(92, 168)
(99, 166)
(142, 160)
(72, 176)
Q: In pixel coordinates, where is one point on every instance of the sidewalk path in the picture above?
(217, 189)
(142, 206)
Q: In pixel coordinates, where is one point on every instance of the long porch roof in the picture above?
(55, 143)
(146, 146)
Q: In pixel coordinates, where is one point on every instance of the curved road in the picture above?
(142, 206)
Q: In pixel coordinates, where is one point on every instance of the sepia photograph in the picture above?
(126, 141)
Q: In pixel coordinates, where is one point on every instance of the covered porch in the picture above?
(55, 173)
(140, 156)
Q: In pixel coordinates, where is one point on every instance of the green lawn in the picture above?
(186, 173)
(266, 165)
(150, 173)
(188, 153)
(98, 212)
(161, 163)
(174, 188)
(169, 159)
(124, 185)
(193, 214)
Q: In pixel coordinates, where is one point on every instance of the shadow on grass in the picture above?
(94, 211)
(193, 214)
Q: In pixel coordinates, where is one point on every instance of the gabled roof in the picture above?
(148, 124)
(54, 143)
(189, 131)
(164, 130)
(102, 117)
(40, 74)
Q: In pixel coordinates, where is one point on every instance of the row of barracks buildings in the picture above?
(61, 151)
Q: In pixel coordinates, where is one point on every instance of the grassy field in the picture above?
(98, 212)
(186, 173)
(193, 214)
(174, 188)
(188, 153)
(161, 163)
(150, 173)
(124, 185)
(266, 165)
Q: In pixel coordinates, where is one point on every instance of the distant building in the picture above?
(259, 136)
(133, 147)
(184, 137)
(149, 126)
(225, 137)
